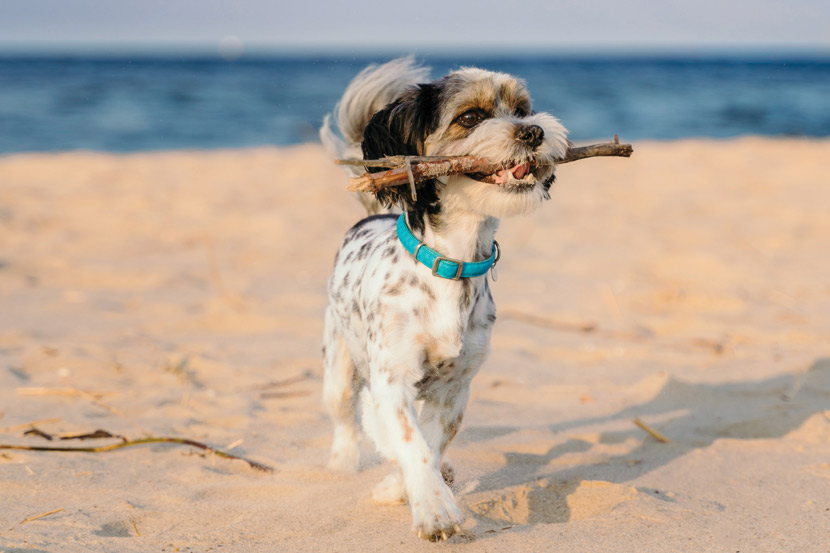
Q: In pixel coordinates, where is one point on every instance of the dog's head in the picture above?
(470, 112)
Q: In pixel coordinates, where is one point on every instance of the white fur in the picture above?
(398, 341)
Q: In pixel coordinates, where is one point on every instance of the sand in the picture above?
(181, 294)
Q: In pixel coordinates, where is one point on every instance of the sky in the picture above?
(428, 25)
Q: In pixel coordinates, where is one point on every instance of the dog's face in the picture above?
(479, 113)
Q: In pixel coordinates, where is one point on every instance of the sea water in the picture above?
(131, 103)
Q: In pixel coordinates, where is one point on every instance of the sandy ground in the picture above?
(181, 293)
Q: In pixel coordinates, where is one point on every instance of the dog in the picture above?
(410, 310)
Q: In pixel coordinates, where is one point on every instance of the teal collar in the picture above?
(444, 267)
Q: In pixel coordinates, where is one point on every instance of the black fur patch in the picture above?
(363, 251)
(400, 129)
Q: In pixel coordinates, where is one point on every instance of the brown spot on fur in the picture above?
(476, 95)
(481, 94)
(451, 430)
(407, 428)
(456, 132)
(430, 347)
(430, 355)
(513, 96)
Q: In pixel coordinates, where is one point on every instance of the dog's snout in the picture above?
(532, 135)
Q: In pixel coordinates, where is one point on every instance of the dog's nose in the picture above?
(532, 135)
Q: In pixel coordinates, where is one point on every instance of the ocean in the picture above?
(134, 103)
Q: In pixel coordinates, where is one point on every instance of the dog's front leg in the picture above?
(441, 417)
(435, 514)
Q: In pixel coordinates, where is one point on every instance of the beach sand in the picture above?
(181, 294)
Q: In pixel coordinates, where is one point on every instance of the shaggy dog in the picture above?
(410, 312)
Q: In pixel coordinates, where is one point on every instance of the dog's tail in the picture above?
(370, 91)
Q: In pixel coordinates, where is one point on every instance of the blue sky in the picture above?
(424, 24)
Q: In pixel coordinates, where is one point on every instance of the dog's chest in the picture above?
(458, 324)
(387, 304)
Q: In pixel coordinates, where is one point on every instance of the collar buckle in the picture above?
(451, 260)
(432, 259)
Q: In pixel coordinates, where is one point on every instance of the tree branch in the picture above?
(429, 167)
(141, 441)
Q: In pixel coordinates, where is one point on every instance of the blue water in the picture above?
(150, 103)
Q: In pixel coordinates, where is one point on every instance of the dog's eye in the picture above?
(470, 118)
(521, 112)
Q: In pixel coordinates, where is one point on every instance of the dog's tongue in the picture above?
(518, 172)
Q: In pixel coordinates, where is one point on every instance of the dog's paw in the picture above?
(390, 491)
(435, 516)
(448, 473)
(345, 456)
(343, 463)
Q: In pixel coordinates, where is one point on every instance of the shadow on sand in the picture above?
(528, 490)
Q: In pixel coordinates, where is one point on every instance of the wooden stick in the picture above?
(428, 167)
(285, 395)
(650, 431)
(141, 441)
(424, 170)
(38, 432)
(36, 517)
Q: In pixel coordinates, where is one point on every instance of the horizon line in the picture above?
(255, 49)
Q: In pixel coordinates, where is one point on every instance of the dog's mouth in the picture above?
(522, 176)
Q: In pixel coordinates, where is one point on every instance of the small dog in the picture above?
(408, 325)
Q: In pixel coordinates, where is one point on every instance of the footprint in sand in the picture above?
(546, 502)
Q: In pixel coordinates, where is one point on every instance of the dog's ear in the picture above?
(400, 129)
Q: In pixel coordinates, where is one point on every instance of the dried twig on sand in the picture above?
(414, 169)
(285, 395)
(650, 431)
(128, 443)
(41, 515)
(38, 432)
(279, 383)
